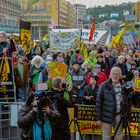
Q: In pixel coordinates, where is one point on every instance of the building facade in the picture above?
(10, 12)
(81, 14)
(136, 11)
(48, 14)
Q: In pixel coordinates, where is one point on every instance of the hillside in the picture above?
(110, 12)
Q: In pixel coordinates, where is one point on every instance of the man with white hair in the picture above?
(35, 70)
(122, 65)
(108, 105)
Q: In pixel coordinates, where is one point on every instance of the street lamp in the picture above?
(58, 12)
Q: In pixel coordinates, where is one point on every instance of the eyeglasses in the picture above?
(117, 74)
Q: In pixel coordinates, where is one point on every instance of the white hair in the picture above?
(85, 63)
(116, 68)
(3, 33)
(37, 57)
(121, 56)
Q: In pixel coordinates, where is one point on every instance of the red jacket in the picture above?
(101, 78)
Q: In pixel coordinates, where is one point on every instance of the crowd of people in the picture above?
(97, 80)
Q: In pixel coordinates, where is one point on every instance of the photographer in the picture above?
(35, 118)
(61, 125)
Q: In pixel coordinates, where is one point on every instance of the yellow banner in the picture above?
(57, 69)
(86, 120)
(25, 39)
(17, 39)
(137, 84)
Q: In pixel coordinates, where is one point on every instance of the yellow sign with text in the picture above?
(86, 120)
(25, 40)
(137, 84)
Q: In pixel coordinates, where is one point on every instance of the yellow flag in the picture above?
(45, 38)
(117, 38)
(84, 50)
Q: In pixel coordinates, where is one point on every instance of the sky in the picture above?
(92, 3)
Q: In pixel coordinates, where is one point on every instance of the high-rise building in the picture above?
(72, 22)
(10, 12)
(45, 14)
(81, 14)
(136, 11)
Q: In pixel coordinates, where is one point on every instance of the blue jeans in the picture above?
(23, 94)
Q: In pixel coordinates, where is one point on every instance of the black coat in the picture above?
(106, 103)
(88, 91)
(27, 116)
(123, 67)
(61, 125)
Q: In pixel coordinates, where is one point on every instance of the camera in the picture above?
(64, 85)
(43, 97)
(126, 89)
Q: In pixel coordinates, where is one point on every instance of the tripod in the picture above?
(75, 125)
(124, 118)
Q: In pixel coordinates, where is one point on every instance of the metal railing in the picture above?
(9, 129)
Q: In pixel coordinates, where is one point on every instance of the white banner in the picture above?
(97, 36)
(64, 39)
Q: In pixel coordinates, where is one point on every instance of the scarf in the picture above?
(37, 130)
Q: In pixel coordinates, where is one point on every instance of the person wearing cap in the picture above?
(90, 91)
(104, 66)
(101, 75)
(78, 78)
(92, 59)
(44, 74)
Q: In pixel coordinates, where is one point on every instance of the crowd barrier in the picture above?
(9, 129)
(85, 115)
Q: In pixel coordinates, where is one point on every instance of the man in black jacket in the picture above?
(61, 125)
(108, 105)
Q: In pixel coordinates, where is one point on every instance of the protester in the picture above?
(101, 61)
(35, 71)
(21, 75)
(86, 68)
(90, 91)
(122, 65)
(101, 75)
(78, 79)
(108, 105)
(4, 46)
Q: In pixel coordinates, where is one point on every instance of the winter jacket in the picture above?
(61, 125)
(123, 67)
(2, 46)
(101, 78)
(106, 103)
(19, 82)
(88, 91)
(27, 116)
(78, 79)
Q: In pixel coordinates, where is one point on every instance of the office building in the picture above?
(81, 14)
(10, 13)
(48, 14)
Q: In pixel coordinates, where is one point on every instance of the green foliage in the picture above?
(108, 9)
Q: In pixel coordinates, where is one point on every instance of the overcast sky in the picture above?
(92, 3)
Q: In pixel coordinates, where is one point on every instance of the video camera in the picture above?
(126, 88)
(43, 97)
